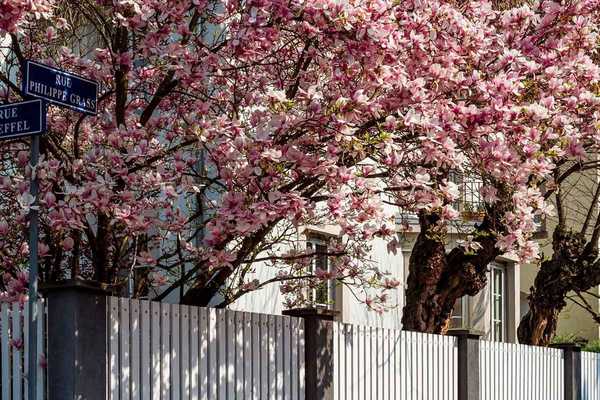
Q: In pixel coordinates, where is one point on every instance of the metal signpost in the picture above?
(28, 118)
(42, 84)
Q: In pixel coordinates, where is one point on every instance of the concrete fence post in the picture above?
(572, 370)
(468, 363)
(318, 351)
(77, 352)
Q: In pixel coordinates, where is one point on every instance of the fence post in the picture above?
(76, 341)
(468, 363)
(318, 351)
(572, 369)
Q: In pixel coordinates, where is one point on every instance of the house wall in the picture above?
(350, 309)
(355, 312)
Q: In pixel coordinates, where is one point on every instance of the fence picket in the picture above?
(165, 351)
(264, 357)
(248, 355)
(231, 358)
(221, 360)
(301, 360)
(145, 355)
(194, 353)
(124, 349)
(287, 359)
(213, 366)
(175, 359)
(155, 348)
(272, 358)
(204, 359)
(135, 358)
(184, 354)
(113, 344)
(239, 351)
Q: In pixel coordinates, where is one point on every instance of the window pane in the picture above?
(456, 318)
(497, 302)
(320, 293)
(498, 331)
(497, 281)
(497, 308)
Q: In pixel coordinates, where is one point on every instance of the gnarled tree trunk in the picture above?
(437, 280)
(571, 268)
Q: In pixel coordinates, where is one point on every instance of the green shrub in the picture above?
(593, 346)
(570, 338)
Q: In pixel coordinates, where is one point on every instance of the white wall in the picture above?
(269, 299)
(356, 312)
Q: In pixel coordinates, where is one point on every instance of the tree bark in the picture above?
(438, 279)
(571, 268)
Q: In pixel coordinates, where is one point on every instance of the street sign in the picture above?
(60, 87)
(22, 119)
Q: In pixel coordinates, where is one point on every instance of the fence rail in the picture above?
(520, 372)
(388, 364)
(161, 351)
(14, 354)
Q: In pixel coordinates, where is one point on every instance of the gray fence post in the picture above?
(76, 341)
(572, 372)
(318, 351)
(468, 363)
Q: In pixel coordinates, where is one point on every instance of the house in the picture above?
(495, 311)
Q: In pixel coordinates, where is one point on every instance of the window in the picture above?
(458, 318)
(323, 294)
(497, 303)
(469, 186)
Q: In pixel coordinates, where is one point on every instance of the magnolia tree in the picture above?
(511, 95)
(221, 126)
(224, 127)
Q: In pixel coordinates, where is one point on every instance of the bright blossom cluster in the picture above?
(15, 12)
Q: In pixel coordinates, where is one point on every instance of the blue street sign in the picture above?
(60, 87)
(22, 119)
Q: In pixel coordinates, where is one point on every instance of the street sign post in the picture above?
(60, 87)
(43, 85)
(28, 118)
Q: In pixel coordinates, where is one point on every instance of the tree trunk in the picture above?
(423, 311)
(437, 280)
(571, 268)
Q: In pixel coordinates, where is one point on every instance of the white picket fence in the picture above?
(173, 352)
(518, 372)
(590, 376)
(14, 354)
(161, 351)
(387, 364)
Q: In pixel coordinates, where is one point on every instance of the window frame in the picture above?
(312, 241)
(464, 317)
(500, 269)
